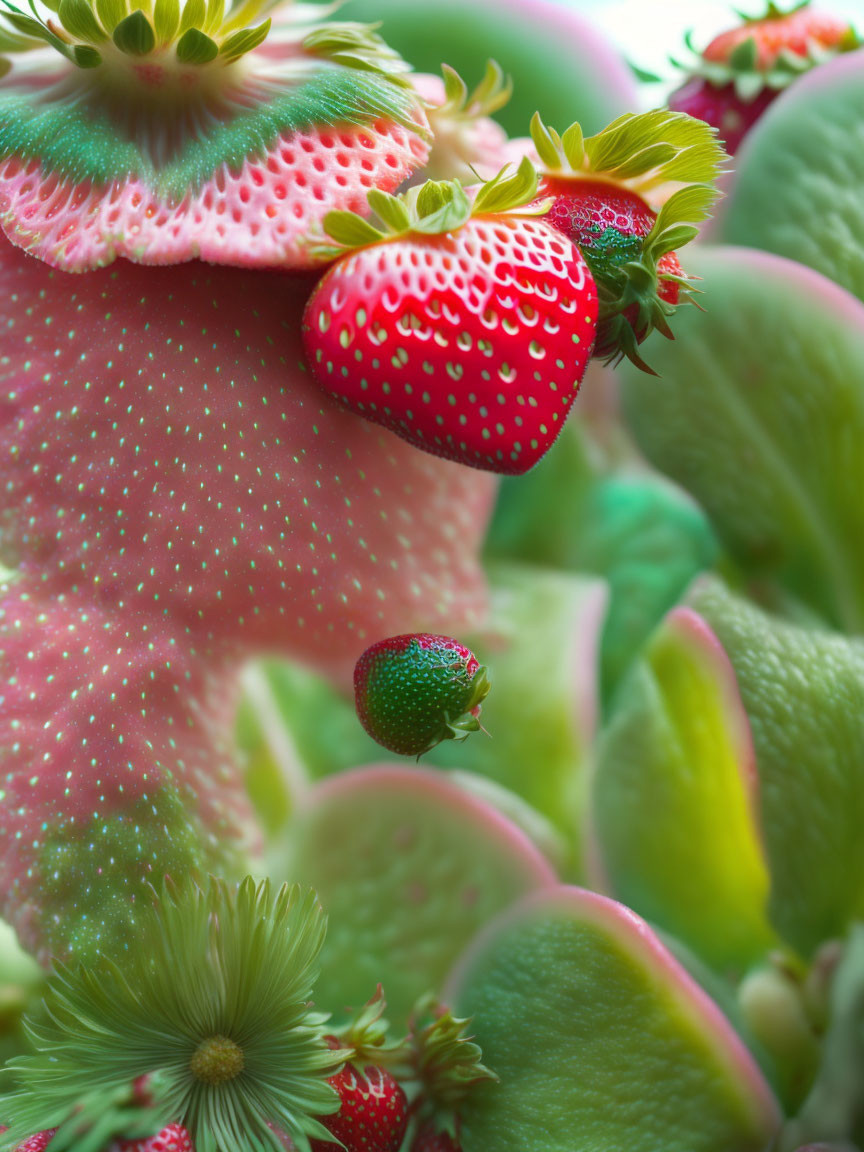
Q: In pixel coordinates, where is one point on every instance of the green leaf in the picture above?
(421, 866)
(547, 142)
(351, 230)
(767, 442)
(239, 43)
(390, 210)
(110, 13)
(438, 214)
(675, 800)
(541, 650)
(166, 20)
(573, 143)
(134, 35)
(27, 26)
(194, 47)
(86, 57)
(797, 185)
(77, 18)
(803, 692)
(600, 1040)
(504, 193)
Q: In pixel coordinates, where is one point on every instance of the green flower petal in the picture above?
(758, 411)
(797, 191)
(674, 799)
(408, 867)
(600, 1040)
(803, 691)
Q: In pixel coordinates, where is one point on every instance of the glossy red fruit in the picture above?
(413, 691)
(373, 1113)
(172, 1138)
(37, 1142)
(469, 343)
(744, 69)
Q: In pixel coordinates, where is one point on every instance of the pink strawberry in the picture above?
(193, 131)
(172, 1138)
(178, 496)
(373, 1112)
(466, 330)
(411, 692)
(629, 197)
(743, 70)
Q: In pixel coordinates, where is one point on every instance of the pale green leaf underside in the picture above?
(797, 191)
(672, 800)
(408, 867)
(600, 1040)
(803, 691)
(758, 411)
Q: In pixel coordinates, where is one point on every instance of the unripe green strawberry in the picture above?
(413, 691)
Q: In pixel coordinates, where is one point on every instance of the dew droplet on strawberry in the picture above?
(413, 691)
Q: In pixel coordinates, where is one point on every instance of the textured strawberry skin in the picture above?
(470, 344)
(722, 108)
(406, 688)
(172, 1138)
(178, 496)
(38, 1142)
(373, 1114)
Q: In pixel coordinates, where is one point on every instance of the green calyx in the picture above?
(445, 1063)
(742, 68)
(490, 95)
(366, 1037)
(213, 994)
(431, 209)
(185, 38)
(666, 158)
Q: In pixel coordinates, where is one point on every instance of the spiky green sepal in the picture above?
(431, 209)
(671, 161)
(490, 95)
(234, 964)
(742, 68)
(366, 1038)
(445, 1063)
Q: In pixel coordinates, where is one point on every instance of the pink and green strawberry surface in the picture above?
(250, 342)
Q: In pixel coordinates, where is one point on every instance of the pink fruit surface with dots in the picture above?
(172, 1138)
(256, 215)
(470, 344)
(179, 496)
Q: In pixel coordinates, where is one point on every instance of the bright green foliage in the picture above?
(758, 411)
(675, 799)
(803, 692)
(600, 1040)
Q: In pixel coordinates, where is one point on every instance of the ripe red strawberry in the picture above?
(430, 1139)
(172, 1138)
(413, 691)
(37, 1142)
(466, 330)
(744, 69)
(628, 198)
(373, 1112)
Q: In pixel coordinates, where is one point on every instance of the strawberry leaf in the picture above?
(583, 1014)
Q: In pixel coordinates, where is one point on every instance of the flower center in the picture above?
(217, 1060)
